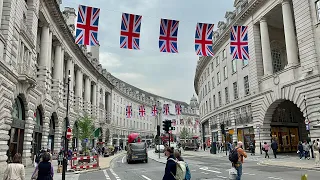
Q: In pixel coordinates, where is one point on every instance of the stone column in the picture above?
(94, 103)
(78, 91)
(1, 8)
(43, 61)
(70, 69)
(50, 54)
(57, 81)
(28, 132)
(265, 45)
(87, 93)
(289, 33)
(45, 129)
(233, 125)
(58, 133)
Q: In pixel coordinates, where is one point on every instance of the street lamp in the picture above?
(159, 121)
(64, 169)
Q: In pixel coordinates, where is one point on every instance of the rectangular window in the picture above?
(245, 62)
(214, 101)
(225, 72)
(205, 88)
(210, 107)
(208, 72)
(318, 9)
(209, 86)
(246, 85)
(220, 98)
(235, 90)
(218, 60)
(219, 78)
(206, 107)
(211, 66)
(224, 54)
(234, 66)
(212, 82)
(227, 94)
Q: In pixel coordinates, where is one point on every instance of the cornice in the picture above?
(222, 38)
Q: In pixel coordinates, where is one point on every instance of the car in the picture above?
(159, 148)
(137, 152)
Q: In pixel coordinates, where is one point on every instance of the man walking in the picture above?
(274, 147)
(237, 163)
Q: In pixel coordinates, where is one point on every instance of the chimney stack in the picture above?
(95, 52)
(70, 15)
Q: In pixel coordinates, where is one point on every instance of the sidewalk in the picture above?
(282, 160)
(104, 163)
(155, 156)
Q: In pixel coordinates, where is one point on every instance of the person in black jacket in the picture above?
(170, 170)
(274, 147)
(45, 169)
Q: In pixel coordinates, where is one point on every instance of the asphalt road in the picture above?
(201, 168)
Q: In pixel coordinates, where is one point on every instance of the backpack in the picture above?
(181, 170)
(188, 173)
(233, 156)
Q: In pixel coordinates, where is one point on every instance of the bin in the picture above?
(213, 149)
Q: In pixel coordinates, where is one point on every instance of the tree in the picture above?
(86, 128)
(184, 134)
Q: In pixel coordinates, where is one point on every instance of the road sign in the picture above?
(85, 140)
(69, 133)
(307, 127)
(306, 121)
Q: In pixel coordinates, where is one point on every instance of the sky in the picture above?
(164, 74)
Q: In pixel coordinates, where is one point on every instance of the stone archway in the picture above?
(16, 132)
(284, 122)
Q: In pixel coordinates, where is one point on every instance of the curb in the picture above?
(287, 166)
(156, 159)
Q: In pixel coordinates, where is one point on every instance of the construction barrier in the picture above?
(84, 162)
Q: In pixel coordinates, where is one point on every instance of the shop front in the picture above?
(287, 138)
(246, 135)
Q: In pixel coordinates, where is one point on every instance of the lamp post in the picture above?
(65, 159)
(159, 122)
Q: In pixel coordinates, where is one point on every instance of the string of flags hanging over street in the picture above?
(87, 34)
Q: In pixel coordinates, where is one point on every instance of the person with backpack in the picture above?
(236, 158)
(186, 174)
(266, 149)
(171, 168)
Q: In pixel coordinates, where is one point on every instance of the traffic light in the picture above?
(222, 129)
(173, 128)
(166, 125)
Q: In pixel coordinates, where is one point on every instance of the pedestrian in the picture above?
(274, 147)
(237, 163)
(300, 150)
(177, 155)
(15, 170)
(170, 170)
(44, 171)
(306, 150)
(266, 149)
(252, 148)
(60, 158)
(316, 151)
(204, 146)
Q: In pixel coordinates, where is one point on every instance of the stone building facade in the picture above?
(37, 57)
(275, 94)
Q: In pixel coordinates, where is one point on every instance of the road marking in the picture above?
(114, 174)
(123, 159)
(222, 177)
(206, 169)
(146, 177)
(204, 173)
(106, 174)
(275, 178)
(249, 174)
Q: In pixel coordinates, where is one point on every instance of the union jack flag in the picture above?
(166, 109)
(178, 109)
(142, 111)
(239, 42)
(168, 36)
(129, 111)
(87, 26)
(130, 31)
(154, 110)
(203, 39)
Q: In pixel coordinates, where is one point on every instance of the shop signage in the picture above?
(231, 131)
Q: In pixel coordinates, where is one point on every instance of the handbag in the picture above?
(35, 175)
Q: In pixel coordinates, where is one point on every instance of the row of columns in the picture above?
(290, 39)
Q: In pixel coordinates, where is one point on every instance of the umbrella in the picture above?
(134, 137)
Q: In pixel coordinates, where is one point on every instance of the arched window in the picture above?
(38, 117)
(18, 109)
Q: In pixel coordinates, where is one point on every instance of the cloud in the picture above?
(109, 60)
(164, 74)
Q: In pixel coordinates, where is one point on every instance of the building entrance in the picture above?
(287, 126)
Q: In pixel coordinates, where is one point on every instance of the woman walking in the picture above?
(15, 170)
(266, 149)
(44, 171)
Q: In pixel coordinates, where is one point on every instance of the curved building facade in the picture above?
(275, 94)
(38, 57)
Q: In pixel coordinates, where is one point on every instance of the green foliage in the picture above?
(86, 127)
(184, 134)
